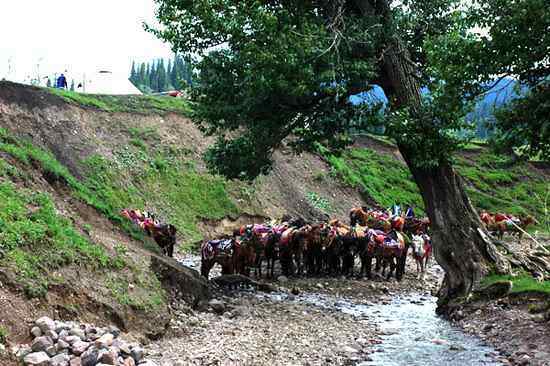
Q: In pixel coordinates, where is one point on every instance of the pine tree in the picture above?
(142, 75)
(133, 74)
(153, 78)
(174, 74)
(169, 84)
(161, 76)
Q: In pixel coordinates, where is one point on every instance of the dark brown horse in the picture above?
(223, 252)
(164, 235)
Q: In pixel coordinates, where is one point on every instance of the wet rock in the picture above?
(442, 342)
(45, 323)
(37, 359)
(41, 344)
(217, 305)
(456, 347)
(319, 286)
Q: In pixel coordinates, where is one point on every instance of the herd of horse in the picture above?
(326, 248)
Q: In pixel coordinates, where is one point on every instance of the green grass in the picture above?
(378, 176)
(3, 335)
(522, 283)
(35, 240)
(319, 202)
(128, 103)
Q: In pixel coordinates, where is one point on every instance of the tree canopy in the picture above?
(271, 69)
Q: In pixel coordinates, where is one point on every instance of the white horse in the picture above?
(422, 250)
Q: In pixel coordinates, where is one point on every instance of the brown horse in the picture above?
(416, 225)
(223, 252)
(163, 234)
(514, 226)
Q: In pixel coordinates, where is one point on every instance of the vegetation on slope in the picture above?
(145, 177)
(523, 283)
(145, 104)
(494, 183)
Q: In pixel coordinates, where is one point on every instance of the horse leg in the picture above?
(206, 266)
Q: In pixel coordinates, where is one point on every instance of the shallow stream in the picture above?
(412, 333)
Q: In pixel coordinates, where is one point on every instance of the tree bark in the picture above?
(461, 245)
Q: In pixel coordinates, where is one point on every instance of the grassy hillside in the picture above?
(493, 182)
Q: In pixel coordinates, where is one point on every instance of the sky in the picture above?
(80, 36)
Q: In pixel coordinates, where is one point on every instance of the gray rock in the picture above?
(51, 350)
(89, 357)
(77, 332)
(61, 345)
(113, 330)
(45, 324)
(79, 347)
(52, 334)
(71, 339)
(105, 340)
(60, 360)
(124, 347)
(41, 344)
(108, 357)
(137, 354)
(217, 305)
(129, 362)
(75, 362)
(36, 332)
(37, 359)
(63, 333)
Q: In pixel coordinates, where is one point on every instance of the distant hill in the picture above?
(483, 113)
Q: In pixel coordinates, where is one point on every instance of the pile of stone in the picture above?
(59, 343)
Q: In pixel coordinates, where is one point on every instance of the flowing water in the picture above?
(412, 333)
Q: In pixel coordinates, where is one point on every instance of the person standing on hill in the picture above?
(410, 212)
(61, 82)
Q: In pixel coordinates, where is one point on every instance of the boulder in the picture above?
(89, 357)
(187, 282)
(60, 360)
(36, 332)
(79, 347)
(37, 359)
(137, 354)
(61, 345)
(52, 334)
(41, 344)
(109, 357)
(77, 332)
(104, 341)
(45, 324)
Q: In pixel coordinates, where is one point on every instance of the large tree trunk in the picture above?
(461, 245)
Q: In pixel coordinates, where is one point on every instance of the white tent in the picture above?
(106, 82)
